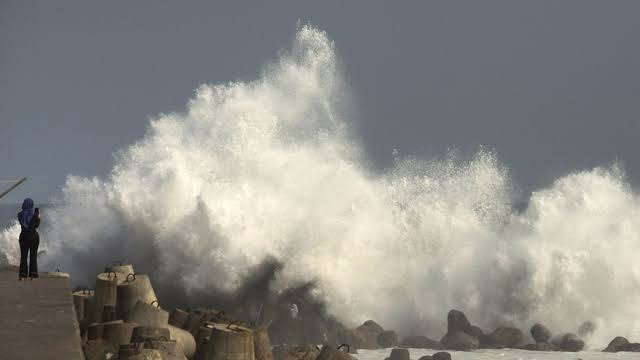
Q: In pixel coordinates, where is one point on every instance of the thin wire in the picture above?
(9, 181)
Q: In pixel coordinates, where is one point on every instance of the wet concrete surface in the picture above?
(37, 319)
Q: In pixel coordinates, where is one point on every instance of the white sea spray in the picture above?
(271, 168)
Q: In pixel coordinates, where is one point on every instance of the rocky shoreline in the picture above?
(461, 335)
(121, 318)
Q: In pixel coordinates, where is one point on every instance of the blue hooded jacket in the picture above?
(27, 213)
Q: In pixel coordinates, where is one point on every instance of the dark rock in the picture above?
(369, 332)
(504, 337)
(457, 321)
(420, 342)
(399, 354)
(459, 340)
(335, 332)
(387, 339)
(352, 337)
(541, 346)
(372, 326)
(441, 356)
(569, 342)
(347, 348)
(476, 332)
(618, 344)
(308, 326)
(587, 328)
(540, 333)
(633, 347)
(622, 344)
(426, 357)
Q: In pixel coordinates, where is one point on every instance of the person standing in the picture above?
(29, 219)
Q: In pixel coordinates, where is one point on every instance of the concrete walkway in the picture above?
(37, 319)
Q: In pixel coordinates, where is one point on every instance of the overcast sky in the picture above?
(552, 86)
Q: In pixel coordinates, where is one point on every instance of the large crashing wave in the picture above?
(268, 169)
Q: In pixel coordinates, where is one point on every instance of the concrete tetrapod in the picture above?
(146, 338)
(169, 348)
(94, 331)
(195, 320)
(142, 333)
(117, 332)
(262, 344)
(133, 289)
(184, 340)
(295, 352)
(89, 305)
(203, 335)
(109, 313)
(178, 318)
(146, 314)
(105, 294)
(122, 270)
(228, 342)
(135, 353)
(330, 353)
(97, 349)
(79, 299)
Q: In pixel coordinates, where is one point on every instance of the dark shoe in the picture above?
(33, 276)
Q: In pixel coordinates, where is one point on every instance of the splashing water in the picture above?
(9, 248)
(270, 169)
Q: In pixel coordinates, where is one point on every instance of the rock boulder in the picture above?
(441, 356)
(622, 344)
(504, 337)
(368, 335)
(420, 342)
(352, 337)
(460, 341)
(457, 321)
(540, 333)
(569, 342)
(476, 332)
(541, 346)
(618, 344)
(387, 339)
(372, 326)
(398, 354)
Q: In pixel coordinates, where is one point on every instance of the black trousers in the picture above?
(29, 248)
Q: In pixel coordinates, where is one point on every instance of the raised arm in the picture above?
(35, 221)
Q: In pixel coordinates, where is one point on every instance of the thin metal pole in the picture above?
(13, 187)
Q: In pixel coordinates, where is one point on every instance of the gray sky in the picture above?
(553, 86)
